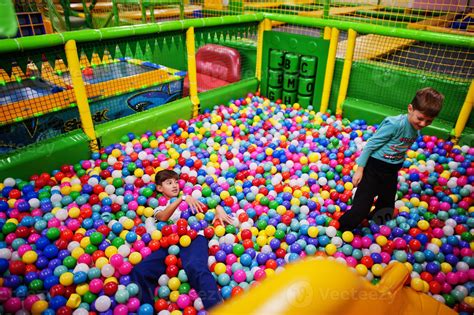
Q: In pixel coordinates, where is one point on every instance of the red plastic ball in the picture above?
(17, 267)
(110, 288)
(171, 260)
(172, 271)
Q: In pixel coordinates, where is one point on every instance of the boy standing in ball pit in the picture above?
(383, 156)
(194, 257)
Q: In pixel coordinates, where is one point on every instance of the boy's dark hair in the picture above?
(428, 101)
(163, 175)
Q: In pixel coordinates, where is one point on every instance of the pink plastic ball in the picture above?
(29, 301)
(23, 249)
(183, 301)
(126, 268)
(5, 294)
(12, 305)
(230, 259)
(116, 260)
(452, 278)
(351, 261)
(96, 285)
(54, 222)
(121, 309)
(259, 274)
(138, 245)
(33, 238)
(85, 259)
(193, 294)
(145, 251)
(240, 276)
(133, 304)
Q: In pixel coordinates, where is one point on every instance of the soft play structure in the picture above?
(280, 99)
(216, 66)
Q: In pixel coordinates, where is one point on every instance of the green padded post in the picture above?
(291, 64)
(288, 98)
(290, 82)
(276, 59)
(305, 86)
(308, 66)
(275, 78)
(274, 93)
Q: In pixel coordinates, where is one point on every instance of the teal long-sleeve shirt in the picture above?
(390, 142)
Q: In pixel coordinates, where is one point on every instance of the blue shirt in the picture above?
(390, 142)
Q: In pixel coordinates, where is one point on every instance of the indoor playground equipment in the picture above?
(116, 88)
(276, 148)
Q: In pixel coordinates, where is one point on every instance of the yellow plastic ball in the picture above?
(184, 241)
(174, 283)
(138, 172)
(128, 224)
(135, 258)
(445, 267)
(313, 231)
(381, 240)
(85, 241)
(224, 194)
(77, 252)
(29, 257)
(469, 300)
(361, 270)
(74, 212)
(262, 240)
(220, 268)
(39, 307)
(270, 230)
(66, 279)
(101, 262)
(281, 210)
(110, 251)
(331, 249)
(348, 186)
(156, 235)
(377, 270)
(416, 284)
(82, 288)
(174, 296)
(423, 225)
(270, 272)
(116, 153)
(219, 230)
(347, 236)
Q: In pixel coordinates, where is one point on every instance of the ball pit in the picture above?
(69, 239)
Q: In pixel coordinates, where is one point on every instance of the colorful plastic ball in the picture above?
(103, 303)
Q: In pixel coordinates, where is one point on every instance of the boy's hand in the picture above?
(195, 205)
(222, 216)
(357, 176)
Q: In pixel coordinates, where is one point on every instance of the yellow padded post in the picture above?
(80, 93)
(346, 71)
(465, 112)
(192, 73)
(329, 70)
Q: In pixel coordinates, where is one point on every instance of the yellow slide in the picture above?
(327, 287)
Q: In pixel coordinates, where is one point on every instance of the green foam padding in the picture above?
(374, 113)
(224, 94)
(45, 156)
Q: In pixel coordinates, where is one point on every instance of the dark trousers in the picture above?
(379, 179)
(194, 260)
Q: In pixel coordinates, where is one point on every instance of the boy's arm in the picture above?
(167, 212)
(386, 130)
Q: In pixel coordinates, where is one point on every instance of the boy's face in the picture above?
(169, 188)
(417, 119)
